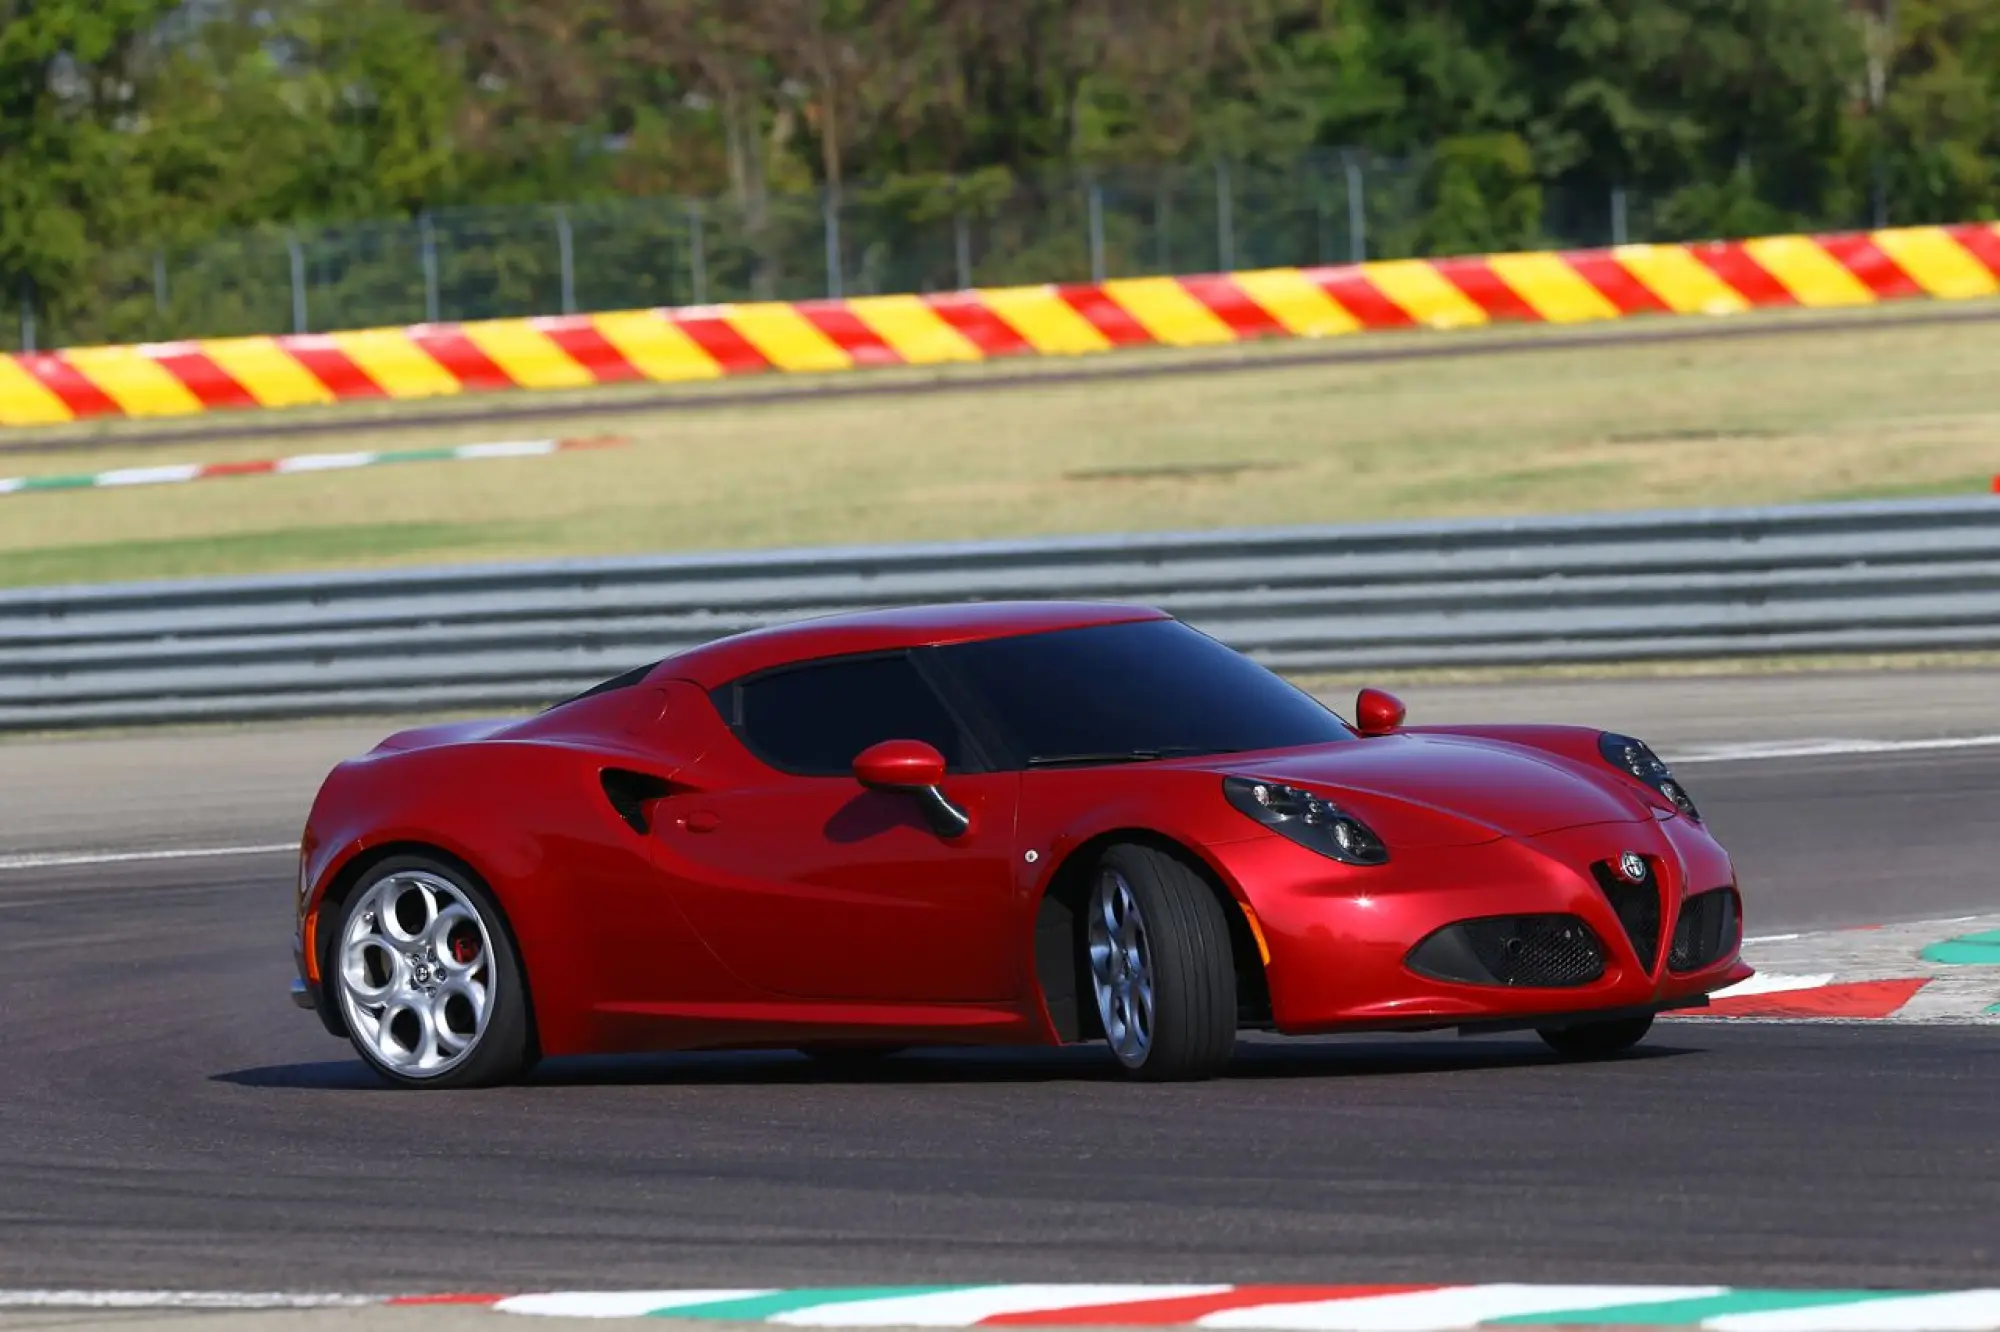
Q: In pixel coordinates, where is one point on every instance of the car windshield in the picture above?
(1128, 692)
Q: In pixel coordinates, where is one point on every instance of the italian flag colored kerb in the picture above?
(1305, 1308)
(1317, 1308)
(298, 464)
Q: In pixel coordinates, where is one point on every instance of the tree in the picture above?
(1939, 124)
(151, 123)
(68, 179)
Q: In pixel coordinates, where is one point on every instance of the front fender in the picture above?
(1064, 811)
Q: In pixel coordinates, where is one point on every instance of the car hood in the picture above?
(1435, 790)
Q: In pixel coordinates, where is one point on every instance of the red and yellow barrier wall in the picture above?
(179, 378)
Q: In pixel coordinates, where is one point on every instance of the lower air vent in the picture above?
(1637, 906)
(1544, 951)
(1709, 930)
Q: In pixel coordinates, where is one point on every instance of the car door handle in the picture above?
(701, 821)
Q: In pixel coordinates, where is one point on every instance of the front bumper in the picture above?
(310, 994)
(1340, 936)
(314, 999)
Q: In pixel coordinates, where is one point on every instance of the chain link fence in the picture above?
(917, 235)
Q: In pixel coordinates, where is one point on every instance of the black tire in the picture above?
(500, 1053)
(1193, 970)
(1597, 1040)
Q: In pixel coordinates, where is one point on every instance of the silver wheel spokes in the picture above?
(416, 973)
(1121, 968)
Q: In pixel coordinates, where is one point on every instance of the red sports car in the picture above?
(1025, 824)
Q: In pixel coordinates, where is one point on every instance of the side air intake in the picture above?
(1709, 930)
(632, 794)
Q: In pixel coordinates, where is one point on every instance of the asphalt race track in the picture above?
(167, 1119)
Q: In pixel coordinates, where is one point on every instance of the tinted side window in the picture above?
(1153, 685)
(815, 719)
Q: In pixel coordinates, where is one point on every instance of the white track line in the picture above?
(177, 1299)
(64, 859)
(617, 1303)
(1453, 1307)
(322, 462)
(1767, 982)
(1949, 1311)
(1831, 748)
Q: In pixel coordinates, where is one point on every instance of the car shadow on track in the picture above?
(1255, 1060)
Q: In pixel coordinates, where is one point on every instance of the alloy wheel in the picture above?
(1121, 968)
(416, 974)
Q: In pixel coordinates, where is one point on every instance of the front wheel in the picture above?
(1157, 948)
(1596, 1040)
(427, 980)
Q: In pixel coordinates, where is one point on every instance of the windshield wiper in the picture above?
(1125, 756)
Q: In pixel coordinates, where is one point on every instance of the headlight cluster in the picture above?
(1314, 823)
(1622, 751)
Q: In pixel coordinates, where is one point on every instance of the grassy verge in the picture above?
(1869, 411)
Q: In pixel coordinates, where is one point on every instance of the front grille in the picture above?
(1706, 931)
(1544, 951)
(1637, 906)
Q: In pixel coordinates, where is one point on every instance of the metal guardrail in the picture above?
(1870, 577)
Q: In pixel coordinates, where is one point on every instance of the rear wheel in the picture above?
(1156, 944)
(1596, 1040)
(427, 980)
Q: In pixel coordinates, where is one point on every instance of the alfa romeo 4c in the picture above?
(997, 824)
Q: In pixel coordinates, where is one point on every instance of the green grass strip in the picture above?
(1687, 1313)
(417, 455)
(81, 482)
(755, 1308)
(1968, 950)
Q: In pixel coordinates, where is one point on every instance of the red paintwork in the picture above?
(1377, 712)
(899, 765)
(768, 909)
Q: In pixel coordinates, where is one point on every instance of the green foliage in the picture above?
(959, 135)
(1939, 135)
(1484, 197)
(69, 177)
